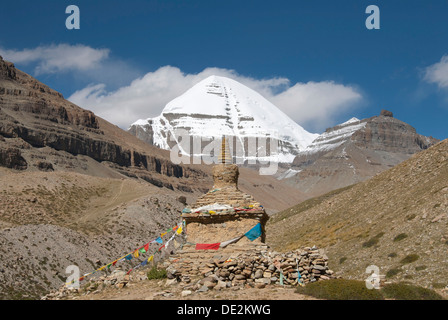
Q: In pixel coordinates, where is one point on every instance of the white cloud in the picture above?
(57, 58)
(316, 104)
(313, 103)
(438, 73)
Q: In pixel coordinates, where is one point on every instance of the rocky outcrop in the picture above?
(386, 113)
(143, 132)
(385, 133)
(12, 158)
(7, 69)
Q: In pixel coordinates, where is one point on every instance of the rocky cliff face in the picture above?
(37, 125)
(385, 133)
(355, 151)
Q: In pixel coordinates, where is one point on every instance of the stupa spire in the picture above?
(225, 157)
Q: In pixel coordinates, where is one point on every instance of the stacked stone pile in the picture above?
(118, 279)
(254, 268)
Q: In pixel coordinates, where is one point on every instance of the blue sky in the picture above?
(315, 60)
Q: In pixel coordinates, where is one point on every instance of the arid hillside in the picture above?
(49, 221)
(398, 221)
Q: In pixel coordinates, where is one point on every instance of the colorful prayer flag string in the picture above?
(136, 253)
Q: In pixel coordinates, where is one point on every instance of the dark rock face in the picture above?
(391, 135)
(7, 70)
(39, 116)
(144, 133)
(41, 124)
(386, 113)
(12, 158)
(45, 166)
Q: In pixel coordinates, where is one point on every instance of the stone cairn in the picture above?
(257, 268)
(116, 279)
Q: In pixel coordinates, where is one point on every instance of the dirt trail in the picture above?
(156, 290)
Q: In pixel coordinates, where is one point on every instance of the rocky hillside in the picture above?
(397, 221)
(51, 220)
(355, 151)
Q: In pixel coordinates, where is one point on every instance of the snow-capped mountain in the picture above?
(334, 137)
(219, 106)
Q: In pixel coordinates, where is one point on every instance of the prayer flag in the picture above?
(226, 243)
(254, 233)
(207, 246)
(159, 240)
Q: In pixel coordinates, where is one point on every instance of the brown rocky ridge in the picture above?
(40, 130)
(355, 151)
